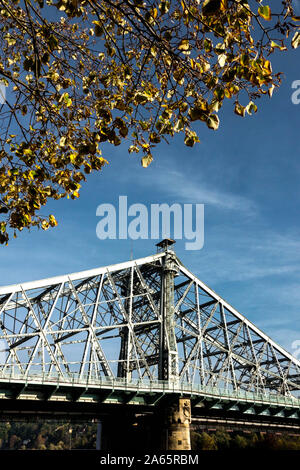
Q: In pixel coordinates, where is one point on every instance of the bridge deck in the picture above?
(142, 392)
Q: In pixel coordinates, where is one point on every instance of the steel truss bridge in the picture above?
(135, 334)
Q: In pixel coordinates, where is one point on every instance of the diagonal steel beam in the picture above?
(95, 342)
(42, 332)
(133, 335)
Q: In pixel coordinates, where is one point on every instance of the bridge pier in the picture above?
(167, 428)
(176, 428)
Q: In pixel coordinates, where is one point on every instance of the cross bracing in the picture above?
(148, 319)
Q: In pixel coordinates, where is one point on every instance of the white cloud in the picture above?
(245, 253)
(192, 188)
(186, 187)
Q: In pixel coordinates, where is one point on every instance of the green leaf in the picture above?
(207, 44)
(67, 100)
(265, 12)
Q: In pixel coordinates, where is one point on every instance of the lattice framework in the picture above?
(149, 318)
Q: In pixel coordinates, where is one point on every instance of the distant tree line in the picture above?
(47, 436)
(223, 440)
(65, 436)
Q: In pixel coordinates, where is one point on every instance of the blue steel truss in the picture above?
(146, 320)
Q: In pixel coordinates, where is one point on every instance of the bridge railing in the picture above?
(146, 385)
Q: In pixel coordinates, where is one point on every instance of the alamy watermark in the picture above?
(296, 346)
(3, 351)
(138, 221)
(296, 94)
(2, 93)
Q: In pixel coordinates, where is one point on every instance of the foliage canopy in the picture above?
(86, 72)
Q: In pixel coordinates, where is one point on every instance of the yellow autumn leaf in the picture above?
(184, 45)
(239, 109)
(274, 45)
(52, 220)
(251, 107)
(296, 40)
(62, 141)
(223, 5)
(213, 122)
(146, 160)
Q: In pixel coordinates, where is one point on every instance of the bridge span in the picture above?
(144, 337)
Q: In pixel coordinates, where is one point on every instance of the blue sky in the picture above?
(247, 176)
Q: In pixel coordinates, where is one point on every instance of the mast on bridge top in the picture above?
(164, 244)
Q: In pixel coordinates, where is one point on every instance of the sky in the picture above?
(247, 176)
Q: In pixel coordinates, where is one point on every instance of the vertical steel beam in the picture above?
(168, 363)
(89, 333)
(229, 349)
(125, 334)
